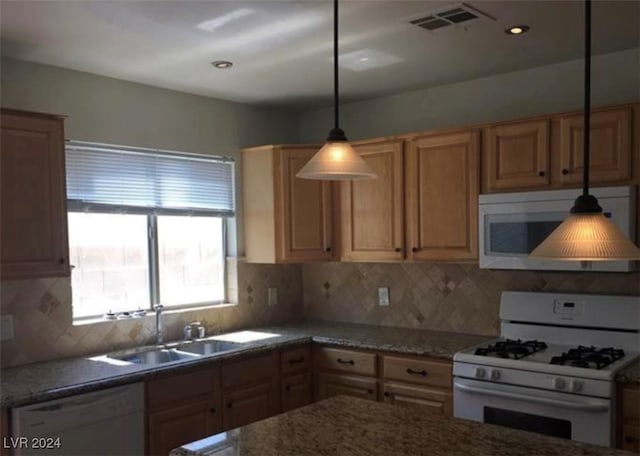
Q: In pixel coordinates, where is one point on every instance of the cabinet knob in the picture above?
(61, 260)
(370, 391)
(212, 410)
(541, 173)
(328, 249)
(565, 172)
(629, 439)
(287, 388)
(414, 249)
(387, 394)
(229, 404)
(398, 249)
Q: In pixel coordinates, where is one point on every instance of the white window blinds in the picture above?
(103, 178)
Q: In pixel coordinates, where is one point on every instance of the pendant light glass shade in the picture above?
(587, 237)
(336, 160)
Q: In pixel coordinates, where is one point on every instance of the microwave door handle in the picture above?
(587, 405)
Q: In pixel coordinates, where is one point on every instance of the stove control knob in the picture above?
(559, 383)
(495, 374)
(479, 372)
(576, 386)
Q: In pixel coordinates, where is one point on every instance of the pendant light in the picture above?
(586, 235)
(336, 160)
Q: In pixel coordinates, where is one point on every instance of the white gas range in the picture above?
(553, 368)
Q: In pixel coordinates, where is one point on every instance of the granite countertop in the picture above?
(38, 382)
(347, 426)
(630, 374)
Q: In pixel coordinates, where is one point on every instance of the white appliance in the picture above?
(109, 422)
(553, 368)
(511, 225)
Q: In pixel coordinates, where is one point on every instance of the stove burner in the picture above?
(513, 349)
(589, 357)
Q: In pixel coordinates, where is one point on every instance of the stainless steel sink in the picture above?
(156, 356)
(209, 347)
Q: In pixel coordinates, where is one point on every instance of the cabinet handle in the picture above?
(387, 394)
(229, 404)
(61, 260)
(398, 249)
(541, 173)
(565, 172)
(415, 249)
(287, 388)
(328, 249)
(212, 410)
(370, 391)
(629, 439)
(297, 360)
(346, 361)
(416, 372)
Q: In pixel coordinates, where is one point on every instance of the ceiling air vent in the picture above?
(449, 16)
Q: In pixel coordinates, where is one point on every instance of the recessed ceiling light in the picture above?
(222, 64)
(516, 30)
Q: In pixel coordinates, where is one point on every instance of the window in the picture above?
(146, 227)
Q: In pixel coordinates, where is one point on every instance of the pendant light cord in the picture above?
(587, 96)
(336, 97)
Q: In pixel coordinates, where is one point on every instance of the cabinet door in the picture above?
(248, 405)
(34, 216)
(426, 399)
(296, 391)
(304, 226)
(371, 209)
(171, 428)
(330, 385)
(442, 183)
(610, 151)
(631, 438)
(516, 156)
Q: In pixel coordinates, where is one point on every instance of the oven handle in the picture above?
(590, 406)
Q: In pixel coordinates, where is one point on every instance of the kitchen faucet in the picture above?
(159, 323)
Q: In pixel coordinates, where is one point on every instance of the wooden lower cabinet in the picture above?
(330, 385)
(629, 417)
(295, 391)
(247, 405)
(433, 400)
(173, 427)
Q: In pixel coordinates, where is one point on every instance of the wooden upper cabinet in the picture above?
(34, 239)
(371, 210)
(442, 184)
(610, 148)
(287, 219)
(516, 156)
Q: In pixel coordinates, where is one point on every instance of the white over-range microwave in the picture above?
(511, 225)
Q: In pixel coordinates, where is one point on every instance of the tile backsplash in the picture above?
(447, 297)
(43, 324)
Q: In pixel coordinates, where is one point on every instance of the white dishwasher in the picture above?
(108, 422)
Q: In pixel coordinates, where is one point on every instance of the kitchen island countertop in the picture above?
(345, 426)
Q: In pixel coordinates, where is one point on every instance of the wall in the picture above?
(536, 91)
(447, 297)
(107, 110)
(43, 325)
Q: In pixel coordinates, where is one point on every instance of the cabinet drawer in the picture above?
(180, 387)
(631, 438)
(427, 399)
(249, 371)
(426, 372)
(631, 405)
(330, 385)
(295, 360)
(345, 361)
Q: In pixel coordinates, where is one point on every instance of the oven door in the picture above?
(570, 416)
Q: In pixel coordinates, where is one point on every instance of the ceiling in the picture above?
(282, 50)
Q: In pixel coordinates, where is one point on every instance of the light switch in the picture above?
(6, 328)
(273, 296)
(383, 296)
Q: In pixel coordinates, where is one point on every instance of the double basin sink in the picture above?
(184, 352)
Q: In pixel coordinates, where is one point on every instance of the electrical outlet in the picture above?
(273, 296)
(6, 329)
(383, 296)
